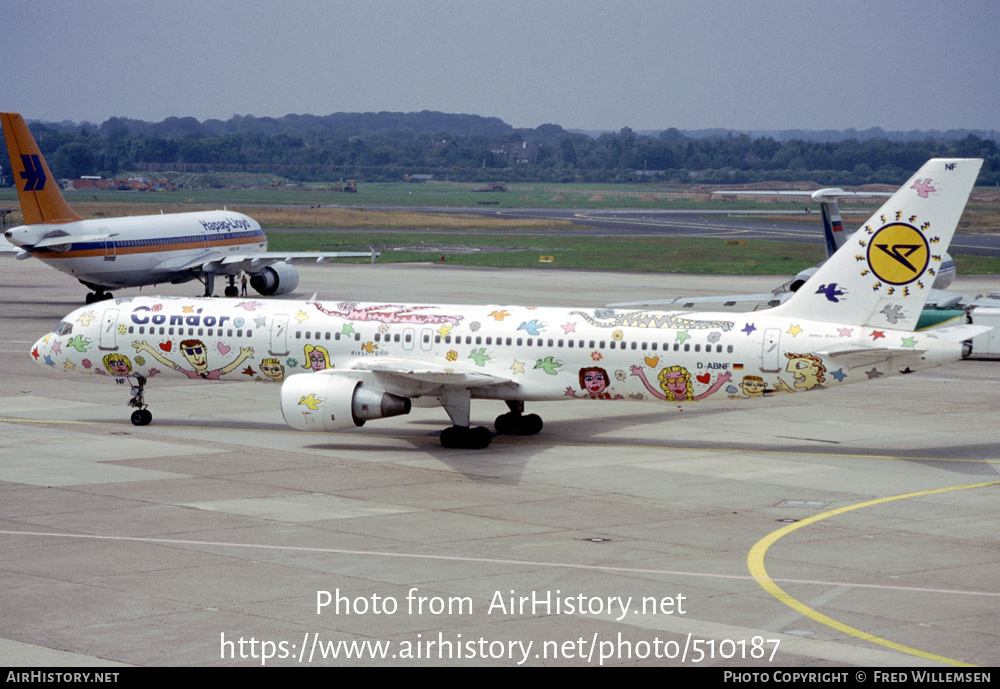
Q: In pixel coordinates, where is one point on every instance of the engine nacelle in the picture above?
(800, 279)
(277, 278)
(334, 401)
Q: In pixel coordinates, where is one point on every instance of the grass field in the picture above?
(411, 236)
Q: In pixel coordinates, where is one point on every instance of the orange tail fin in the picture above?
(38, 192)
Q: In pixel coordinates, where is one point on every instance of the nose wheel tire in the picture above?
(141, 417)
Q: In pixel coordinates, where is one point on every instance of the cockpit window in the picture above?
(64, 328)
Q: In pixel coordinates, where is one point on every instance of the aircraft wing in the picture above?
(426, 372)
(268, 257)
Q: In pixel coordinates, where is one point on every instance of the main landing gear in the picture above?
(141, 416)
(461, 435)
(99, 295)
(231, 289)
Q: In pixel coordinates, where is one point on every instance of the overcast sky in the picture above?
(584, 64)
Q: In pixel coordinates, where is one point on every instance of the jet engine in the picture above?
(277, 278)
(333, 401)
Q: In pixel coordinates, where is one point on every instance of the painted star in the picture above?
(34, 353)
(549, 365)
(248, 371)
(839, 375)
(311, 401)
(57, 347)
(794, 330)
(877, 335)
(260, 322)
(444, 330)
(301, 316)
(517, 367)
(683, 335)
(187, 309)
(910, 342)
(845, 332)
(568, 328)
(874, 373)
(348, 329)
(69, 365)
(748, 328)
(48, 360)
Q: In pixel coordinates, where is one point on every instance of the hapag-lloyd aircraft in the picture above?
(341, 364)
(143, 250)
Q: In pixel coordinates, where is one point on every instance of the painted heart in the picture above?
(652, 361)
(223, 348)
(166, 346)
(704, 377)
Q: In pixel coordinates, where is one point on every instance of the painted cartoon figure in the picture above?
(594, 383)
(676, 386)
(753, 386)
(317, 358)
(807, 370)
(118, 365)
(273, 369)
(196, 354)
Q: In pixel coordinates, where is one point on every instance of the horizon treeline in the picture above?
(383, 147)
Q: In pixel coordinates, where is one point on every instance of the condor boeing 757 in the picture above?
(142, 250)
(342, 363)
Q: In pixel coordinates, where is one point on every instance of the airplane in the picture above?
(343, 363)
(143, 250)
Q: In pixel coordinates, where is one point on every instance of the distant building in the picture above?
(524, 153)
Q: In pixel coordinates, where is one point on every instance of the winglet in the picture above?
(38, 192)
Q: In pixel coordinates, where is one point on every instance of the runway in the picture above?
(850, 527)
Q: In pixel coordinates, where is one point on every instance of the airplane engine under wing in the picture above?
(277, 278)
(334, 401)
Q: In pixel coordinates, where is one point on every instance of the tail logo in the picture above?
(898, 254)
(34, 173)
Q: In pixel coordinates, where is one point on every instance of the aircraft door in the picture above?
(110, 250)
(771, 350)
(279, 334)
(109, 330)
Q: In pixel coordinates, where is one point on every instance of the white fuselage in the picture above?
(502, 352)
(141, 250)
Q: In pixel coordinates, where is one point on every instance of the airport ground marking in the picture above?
(755, 563)
(486, 560)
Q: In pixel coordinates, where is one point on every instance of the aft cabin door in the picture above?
(279, 334)
(770, 350)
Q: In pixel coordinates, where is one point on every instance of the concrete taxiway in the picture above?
(855, 526)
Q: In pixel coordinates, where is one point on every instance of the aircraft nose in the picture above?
(41, 352)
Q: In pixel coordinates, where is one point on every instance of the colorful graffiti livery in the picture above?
(344, 363)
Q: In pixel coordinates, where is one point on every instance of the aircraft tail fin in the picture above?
(38, 192)
(883, 273)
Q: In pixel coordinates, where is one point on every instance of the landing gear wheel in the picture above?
(466, 438)
(232, 292)
(516, 424)
(141, 417)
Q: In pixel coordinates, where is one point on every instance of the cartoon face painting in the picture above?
(676, 382)
(594, 380)
(753, 386)
(807, 369)
(317, 358)
(196, 353)
(118, 365)
(273, 369)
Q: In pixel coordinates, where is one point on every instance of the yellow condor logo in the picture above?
(898, 254)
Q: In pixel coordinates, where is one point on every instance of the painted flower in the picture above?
(452, 355)
(596, 355)
(714, 337)
(238, 322)
(122, 329)
(617, 336)
(620, 374)
(474, 326)
(140, 360)
(87, 363)
(292, 363)
(157, 307)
